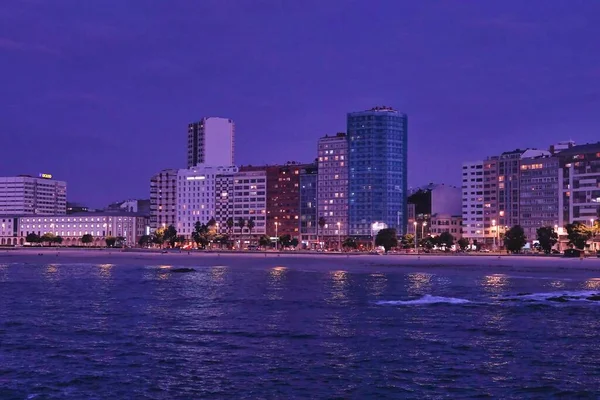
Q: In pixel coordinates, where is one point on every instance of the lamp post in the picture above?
(423, 225)
(494, 234)
(339, 224)
(276, 237)
(415, 225)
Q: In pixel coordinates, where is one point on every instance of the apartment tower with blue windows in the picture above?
(377, 162)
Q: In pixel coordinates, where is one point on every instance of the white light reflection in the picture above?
(592, 284)
(495, 283)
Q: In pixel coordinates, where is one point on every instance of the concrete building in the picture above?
(432, 199)
(332, 185)
(579, 184)
(211, 142)
(25, 194)
(131, 205)
(242, 195)
(440, 223)
(377, 162)
(72, 227)
(539, 194)
(309, 226)
(472, 200)
(163, 199)
(283, 197)
(196, 196)
(9, 230)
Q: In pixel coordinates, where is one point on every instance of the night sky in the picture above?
(99, 93)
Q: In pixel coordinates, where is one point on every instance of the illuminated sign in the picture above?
(196, 178)
(46, 176)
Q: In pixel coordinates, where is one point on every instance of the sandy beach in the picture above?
(385, 263)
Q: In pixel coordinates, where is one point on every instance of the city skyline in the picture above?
(99, 99)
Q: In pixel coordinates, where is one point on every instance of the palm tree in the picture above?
(250, 227)
(322, 223)
(230, 223)
(241, 224)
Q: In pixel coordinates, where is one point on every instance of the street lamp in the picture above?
(339, 224)
(423, 225)
(494, 233)
(415, 225)
(276, 237)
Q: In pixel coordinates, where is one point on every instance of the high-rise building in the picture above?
(579, 184)
(283, 197)
(472, 200)
(25, 195)
(242, 195)
(196, 196)
(163, 199)
(332, 185)
(211, 142)
(429, 200)
(538, 199)
(377, 161)
(308, 205)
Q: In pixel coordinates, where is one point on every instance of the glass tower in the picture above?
(377, 161)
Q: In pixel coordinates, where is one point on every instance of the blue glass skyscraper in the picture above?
(377, 161)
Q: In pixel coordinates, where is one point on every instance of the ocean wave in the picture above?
(558, 297)
(425, 300)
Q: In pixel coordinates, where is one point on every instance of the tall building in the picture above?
(163, 199)
(433, 199)
(579, 184)
(332, 185)
(211, 142)
(472, 200)
(242, 195)
(196, 196)
(538, 199)
(377, 161)
(283, 197)
(308, 205)
(25, 195)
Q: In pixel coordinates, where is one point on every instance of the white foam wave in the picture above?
(562, 296)
(425, 300)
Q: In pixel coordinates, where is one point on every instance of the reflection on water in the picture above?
(377, 284)
(495, 283)
(276, 281)
(3, 272)
(419, 283)
(593, 284)
(51, 273)
(217, 273)
(164, 272)
(557, 284)
(104, 270)
(339, 286)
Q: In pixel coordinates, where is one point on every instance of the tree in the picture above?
(48, 238)
(251, 225)
(427, 242)
(87, 239)
(285, 240)
(33, 238)
(386, 238)
(230, 223)
(294, 242)
(158, 237)
(200, 235)
(547, 238)
(463, 243)
(58, 240)
(321, 222)
(145, 241)
(578, 235)
(408, 241)
(171, 236)
(446, 240)
(212, 223)
(350, 243)
(514, 239)
(241, 223)
(264, 241)
(110, 241)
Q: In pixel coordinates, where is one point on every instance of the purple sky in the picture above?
(99, 93)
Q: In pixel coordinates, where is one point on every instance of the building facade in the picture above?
(377, 162)
(196, 196)
(211, 142)
(309, 180)
(579, 184)
(72, 227)
(9, 230)
(472, 200)
(163, 199)
(332, 185)
(539, 195)
(25, 194)
(441, 223)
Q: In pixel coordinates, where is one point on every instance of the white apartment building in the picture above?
(196, 196)
(163, 199)
(211, 142)
(332, 185)
(8, 230)
(72, 227)
(242, 195)
(472, 200)
(25, 194)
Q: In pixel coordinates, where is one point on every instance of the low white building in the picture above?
(8, 230)
(24, 194)
(196, 196)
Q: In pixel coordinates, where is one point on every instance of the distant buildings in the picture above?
(309, 223)
(433, 199)
(211, 142)
(163, 199)
(332, 183)
(472, 200)
(377, 161)
(24, 195)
